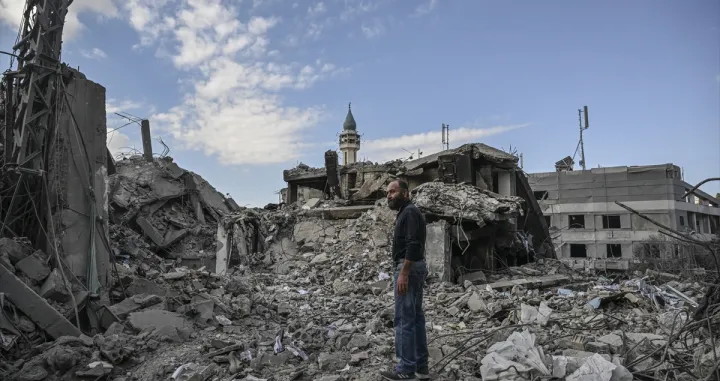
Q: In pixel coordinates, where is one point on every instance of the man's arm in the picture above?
(413, 246)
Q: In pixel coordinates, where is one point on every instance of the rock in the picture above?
(476, 303)
(175, 275)
(359, 341)
(31, 372)
(95, 370)
(242, 305)
(124, 308)
(14, 250)
(320, 259)
(379, 287)
(332, 361)
(284, 309)
(238, 286)
(54, 288)
(435, 354)
(33, 267)
(307, 231)
(358, 357)
(613, 340)
(114, 329)
(61, 358)
(168, 333)
(342, 288)
(452, 311)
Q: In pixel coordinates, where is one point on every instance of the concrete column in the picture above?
(78, 183)
(146, 140)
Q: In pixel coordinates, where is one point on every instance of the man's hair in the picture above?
(403, 185)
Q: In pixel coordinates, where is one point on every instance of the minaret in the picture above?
(349, 139)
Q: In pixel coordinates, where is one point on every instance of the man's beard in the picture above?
(395, 203)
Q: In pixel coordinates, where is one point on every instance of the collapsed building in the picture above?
(481, 211)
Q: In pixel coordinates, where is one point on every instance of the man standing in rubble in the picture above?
(410, 273)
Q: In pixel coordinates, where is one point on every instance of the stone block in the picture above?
(33, 267)
(54, 288)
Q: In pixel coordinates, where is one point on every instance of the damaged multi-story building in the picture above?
(481, 211)
(590, 229)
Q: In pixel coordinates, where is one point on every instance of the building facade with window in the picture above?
(588, 226)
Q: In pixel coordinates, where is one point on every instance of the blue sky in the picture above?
(240, 90)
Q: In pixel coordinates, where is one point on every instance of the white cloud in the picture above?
(425, 8)
(317, 9)
(233, 108)
(113, 105)
(94, 54)
(357, 8)
(117, 142)
(373, 29)
(392, 148)
(11, 12)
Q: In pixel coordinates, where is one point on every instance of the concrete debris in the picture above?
(284, 294)
(465, 202)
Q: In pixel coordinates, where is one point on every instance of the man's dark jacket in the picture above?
(409, 237)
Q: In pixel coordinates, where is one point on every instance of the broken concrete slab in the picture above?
(150, 231)
(35, 307)
(157, 319)
(339, 213)
(33, 267)
(311, 203)
(370, 187)
(533, 282)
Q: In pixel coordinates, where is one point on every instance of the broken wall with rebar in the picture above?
(78, 181)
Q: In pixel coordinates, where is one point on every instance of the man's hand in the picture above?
(402, 283)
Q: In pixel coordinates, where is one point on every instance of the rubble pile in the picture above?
(174, 210)
(465, 201)
(304, 169)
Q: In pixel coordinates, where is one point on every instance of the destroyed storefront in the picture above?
(508, 227)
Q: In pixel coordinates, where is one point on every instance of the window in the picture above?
(540, 195)
(548, 220)
(682, 220)
(578, 251)
(614, 250)
(652, 250)
(577, 221)
(611, 222)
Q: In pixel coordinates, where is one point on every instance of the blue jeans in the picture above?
(410, 336)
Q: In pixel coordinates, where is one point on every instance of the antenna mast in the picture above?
(581, 113)
(446, 136)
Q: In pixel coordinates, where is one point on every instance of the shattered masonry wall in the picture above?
(70, 178)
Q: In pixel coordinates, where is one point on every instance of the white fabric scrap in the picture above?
(516, 354)
(596, 368)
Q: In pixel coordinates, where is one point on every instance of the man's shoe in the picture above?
(393, 375)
